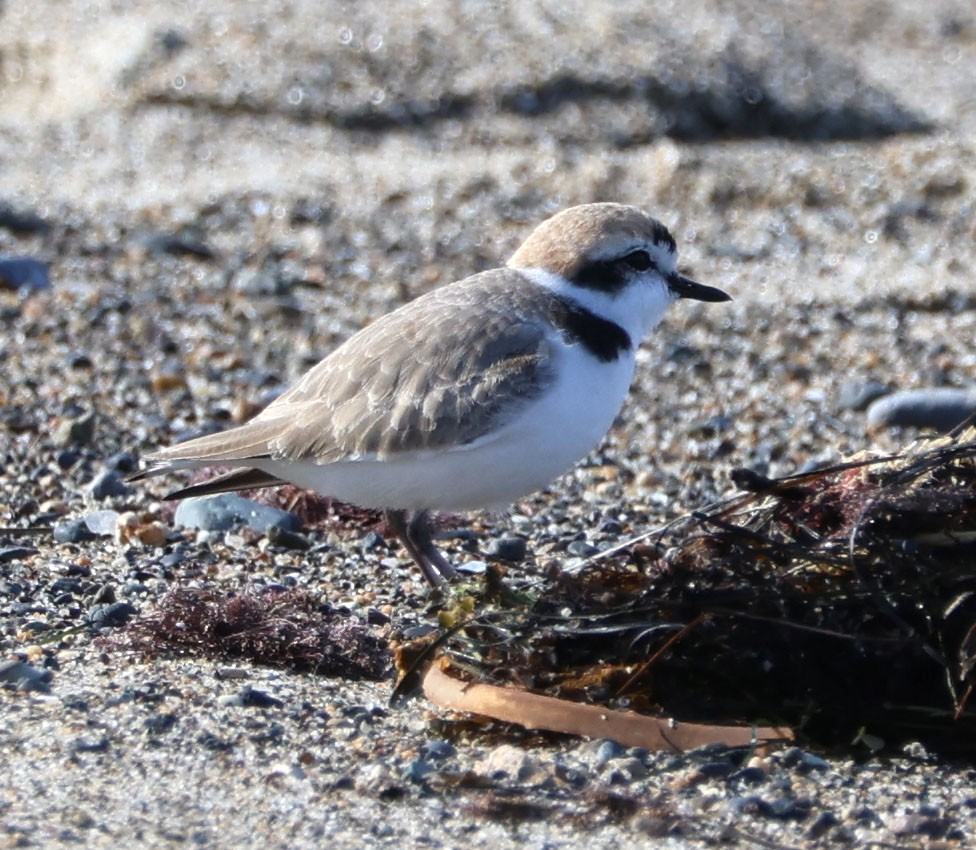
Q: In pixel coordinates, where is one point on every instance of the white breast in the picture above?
(551, 434)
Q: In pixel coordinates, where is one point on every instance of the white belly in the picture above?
(551, 434)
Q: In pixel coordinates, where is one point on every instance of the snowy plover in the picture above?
(472, 395)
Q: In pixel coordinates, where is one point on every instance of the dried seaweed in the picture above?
(832, 602)
(277, 628)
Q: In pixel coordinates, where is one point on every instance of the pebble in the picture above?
(512, 548)
(112, 615)
(228, 510)
(857, 394)
(77, 429)
(438, 750)
(508, 760)
(607, 751)
(102, 523)
(23, 274)
(251, 697)
(941, 408)
(417, 770)
(918, 823)
(25, 677)
(72, 531)
(21, 220)
(582, 549)
(106, 484)
(279, 536)
(15, 553)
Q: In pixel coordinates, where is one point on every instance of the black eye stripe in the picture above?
(613, 275)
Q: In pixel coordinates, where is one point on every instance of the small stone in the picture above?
(105, 595)
(112, 616)
(66, 458)
(23, 274)
(19, 220)
(106, 484)
(91, 745)
(76, 430)
(749, 775)
(9, 554)
(250, 697)
(157, 724)
(917, 823)
(821, 824)
(72, 531)
(25, 677)
(508, 760)
(581, 549)
(278, 536)
(130, 528)
(512, 548)
(941, 408)
(102, 523)
(373, 540)
(858, 394)
(122, 462)
(716, 769)
(607, 751)
(228, 510)
(438, 750)
(633, 768)
(417, 770)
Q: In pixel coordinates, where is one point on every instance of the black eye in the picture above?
(638, 260)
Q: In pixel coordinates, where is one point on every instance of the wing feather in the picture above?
(400, 384)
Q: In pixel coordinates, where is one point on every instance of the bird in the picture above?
(472, 395)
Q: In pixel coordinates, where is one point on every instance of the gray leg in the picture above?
(397, 521)
(422, 535)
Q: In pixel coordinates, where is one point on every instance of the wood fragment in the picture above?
(628, 728)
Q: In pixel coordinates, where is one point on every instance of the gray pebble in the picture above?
(250, 697)
(607, 751)
(123, 462)
(112, 616)
(160, 723)
(106, 484)
(716, 769)
(24, 274)
(417, 770)
(15, 553)
(373, 540)
(288, 539)
(917, 823)
(228, 510)
(581, 549)
(512, 548)
(25, 677)
(72, 531)
(941, 408)
(857, 394)
(91, 745)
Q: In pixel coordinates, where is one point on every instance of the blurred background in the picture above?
(799, 137)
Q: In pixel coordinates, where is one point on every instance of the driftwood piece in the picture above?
(628, 728)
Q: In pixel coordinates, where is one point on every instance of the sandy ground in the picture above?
(816, 160)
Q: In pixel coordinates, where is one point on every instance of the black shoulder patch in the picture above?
(604, 339)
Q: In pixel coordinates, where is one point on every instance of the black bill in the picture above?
(685, 288)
